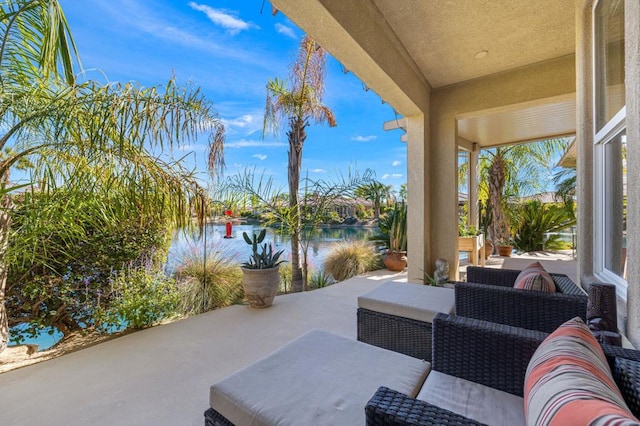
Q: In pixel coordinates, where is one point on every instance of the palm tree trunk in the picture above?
(500, 224)
(5, 223)
(297, 136)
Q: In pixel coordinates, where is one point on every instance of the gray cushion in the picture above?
(473, 400)
(317, 379)
(414, 301)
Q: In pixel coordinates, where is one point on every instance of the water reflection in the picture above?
(236, 248)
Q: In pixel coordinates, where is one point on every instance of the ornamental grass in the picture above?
(351, 258)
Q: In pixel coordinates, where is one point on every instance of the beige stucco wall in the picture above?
(584, 140)
(632, 83)
(529, 84)
(418, 177)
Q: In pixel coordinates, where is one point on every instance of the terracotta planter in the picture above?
(488, 249)
(260, 286)
(395, 260)
(505, 251)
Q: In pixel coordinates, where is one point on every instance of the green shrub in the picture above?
(320, 279)
(351, 258)
(535, 220)
(65, 248)
(203, 288)
(140, 298)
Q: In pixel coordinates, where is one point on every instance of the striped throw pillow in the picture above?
(535, 277)
(568, 382)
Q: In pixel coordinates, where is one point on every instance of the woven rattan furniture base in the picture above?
(398, 334)
(213, 418)
(388, 407)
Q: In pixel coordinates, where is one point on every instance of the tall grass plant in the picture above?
(211, 285)
(351, 258)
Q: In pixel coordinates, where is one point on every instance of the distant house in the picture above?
(543, 197)
(347, 207)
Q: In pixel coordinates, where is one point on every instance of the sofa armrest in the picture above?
(491, 354)
(625, 366)
(388, 407)
(565, 285)
(535, 310)
(612, 352)
(492, 276)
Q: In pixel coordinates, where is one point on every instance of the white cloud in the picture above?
(244, 143)
(286, 31)
(247, 122)
(360, 138)
(396, 163)
(260, 157)
(165, 30)
(222, 18)
(318, 171)
(192, 148)
(391, 176)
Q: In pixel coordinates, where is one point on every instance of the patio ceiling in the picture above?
(520, 123)
(444, 36)
(400, 48)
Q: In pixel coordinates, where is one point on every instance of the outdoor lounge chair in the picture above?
(478, 372)
(397, 316)
(489, 295)
(492, 356)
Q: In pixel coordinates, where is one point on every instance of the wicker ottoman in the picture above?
(317, 379)
(398, 316)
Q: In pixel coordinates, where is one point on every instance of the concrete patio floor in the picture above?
(162, 375)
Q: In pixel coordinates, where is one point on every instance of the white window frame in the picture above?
(612, 129)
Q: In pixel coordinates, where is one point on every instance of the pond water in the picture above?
(236, 248)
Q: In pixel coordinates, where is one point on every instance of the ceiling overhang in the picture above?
(539, 120)
(403, 50)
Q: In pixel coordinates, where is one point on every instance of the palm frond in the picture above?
(36, 41)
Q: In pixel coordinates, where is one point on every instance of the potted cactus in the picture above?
(260, 275)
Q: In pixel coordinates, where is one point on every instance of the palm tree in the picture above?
(376, 192)
(57, 125)
(511, 170)
(403, 192)
(565, 181)
(297, 103)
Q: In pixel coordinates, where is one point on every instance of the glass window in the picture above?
(615, 204)
(610, 160)
(609, 60)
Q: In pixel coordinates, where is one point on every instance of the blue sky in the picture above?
(230, 50)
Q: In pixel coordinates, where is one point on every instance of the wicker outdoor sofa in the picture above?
(494, 355)
(488, 294)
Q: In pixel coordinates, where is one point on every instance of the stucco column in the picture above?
(443, 172)
(418, 189)
(584, 140)
(472, 182)
(632, 87)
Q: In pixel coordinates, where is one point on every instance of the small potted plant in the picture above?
(260, 275)
(504, 247)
